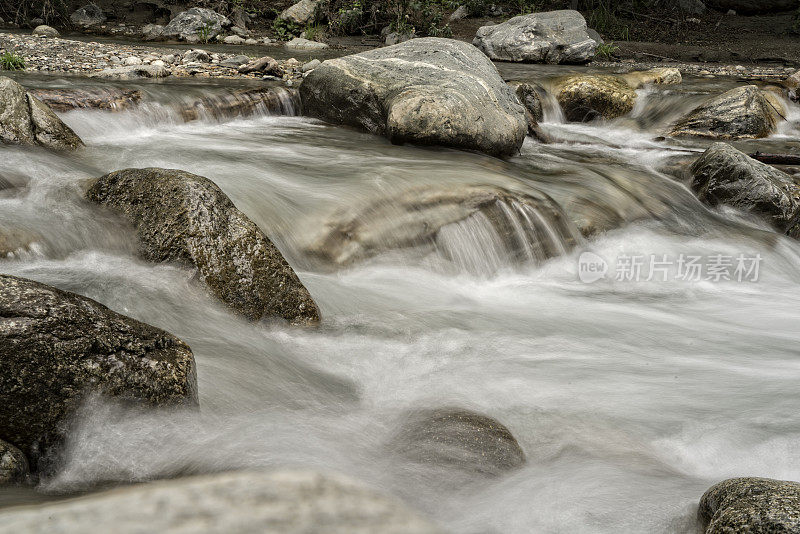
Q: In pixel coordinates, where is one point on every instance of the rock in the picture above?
(18, 242)
(692, 7)
(792, 84)
(56, 347)
(182, 217)
(13, 465)
(427, 91)
(751, 505)
(422, 217)
(394, 38)
(311, 65)
(265, 64)
(752, 7)
(459, 14)
(37, 21)
(152, 32)
(45, 31)
(741, 113)
(586, 97)
(87, 16)
(285, 501)
(659, 76)
(461, 439)
(235, 62)
(250, 42)
(233, 40)
(196, 55)
(107, 98)
(132, 60)
(243, 103)
(241, 32)
(133, 72)
(596, 37)
(301, 13)
(553, 37)
(723, 175)
(299, 43)
(189, 24)
(530, 97)
(24, 119)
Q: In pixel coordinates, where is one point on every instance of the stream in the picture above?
(630, 397)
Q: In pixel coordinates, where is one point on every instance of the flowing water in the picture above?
(630, 398)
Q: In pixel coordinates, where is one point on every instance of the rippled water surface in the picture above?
(629, 398)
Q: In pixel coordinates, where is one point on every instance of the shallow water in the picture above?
(629, 398)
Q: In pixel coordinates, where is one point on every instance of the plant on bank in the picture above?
(606, 51)
(11, 61)
(285, 29)
(205, 31)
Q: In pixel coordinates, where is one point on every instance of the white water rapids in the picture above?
(629, 398)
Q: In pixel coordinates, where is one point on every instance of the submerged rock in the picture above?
(286, 501)
(97, 98)
(13, 465)
(741, 113)
(723, 175)
(277, 100)
(190, 24)
(186, 218)
(452, 437)
(552, 37)
(15, 242)
(426, 91)
(87, 16)
(24, 119)
(56, 347)
(516, 227)
(751, 505)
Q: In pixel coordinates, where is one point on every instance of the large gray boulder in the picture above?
(182, 217)
(56, 347)
(13, 465)
(301, 13)
(24, 119)
(189, 24)
(287, 501)
(553, 37)
(723, 175)
(88, 16)
(460, 439)
(751, 505)
(751, 7)
(428, 91)
(742, 113)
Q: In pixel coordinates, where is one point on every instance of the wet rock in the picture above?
(584, 98)
(530, 97)
(88, 16)
(741, 113)
(265, 64)
(301, 13)
(751, 505)
(421, 217)
(56, 347)
(189, 24)
(182, 217)
(45, 31)
(452, 437)
(18, 242)
(552, 37)
(111, 99)
(792, 84)
(426, 91)
(723, 175)
(286, 501)
(24, 119)
(243, 103)
(752, 7)
(134, 72)
(299, 43)
(13, 465)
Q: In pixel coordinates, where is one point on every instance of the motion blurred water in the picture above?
(629, 398)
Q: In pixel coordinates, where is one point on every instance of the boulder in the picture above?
(186, 218)
(461, 439)
(741, 113)
(133, 72)
(553, 37)
(152, 32)
(196, 55)
(522, 225)
(792, 84)
(45, 31)
(723, 175)
(189, 24)
(302, 13)
(24, 119)
(13, 465)
(56, 347)
(233, 40)
(87, 16)
(106, 98)
(299, 43)
(752, 7)
(311, 65)
(427, 91)
(286, 501)
(587, 97)
(751, 505)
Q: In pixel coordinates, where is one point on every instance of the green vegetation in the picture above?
(606, 51)
(421, 17)
(313, 32)
(204, 33)
(12, 61)
(286, 29)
